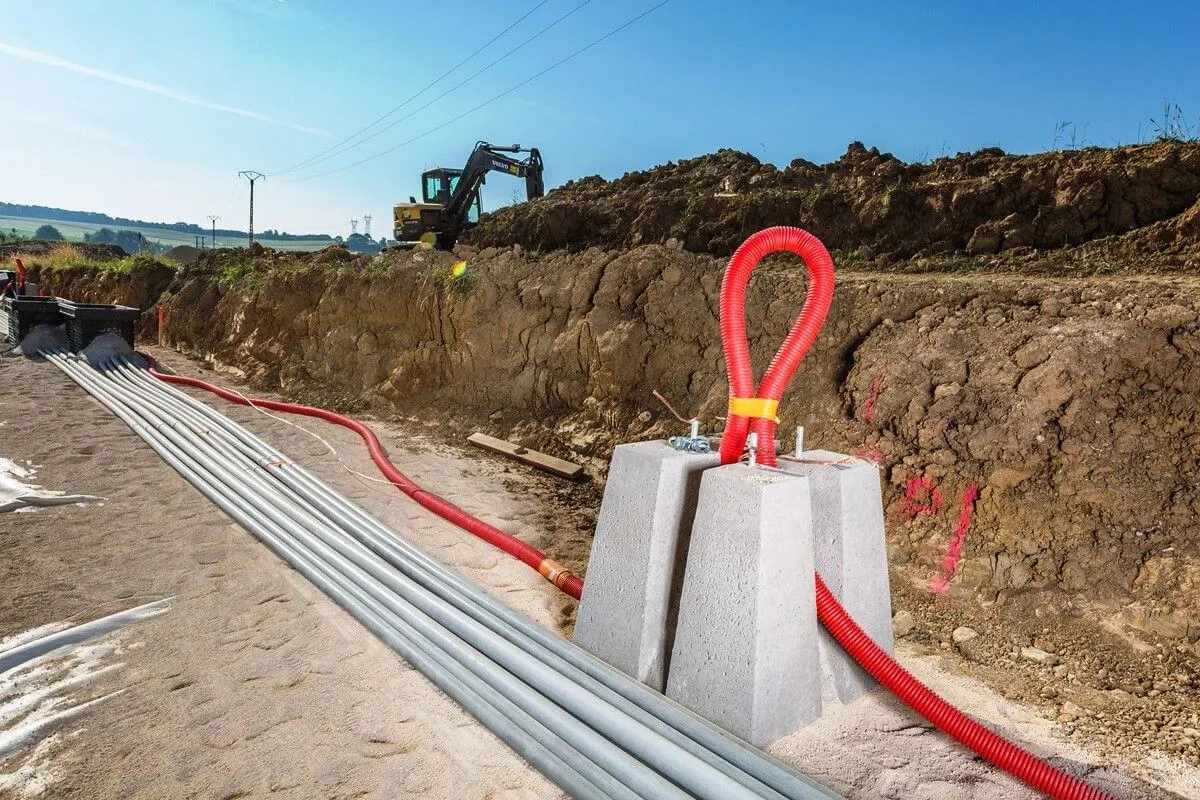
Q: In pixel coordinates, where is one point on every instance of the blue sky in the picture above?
(147, 109)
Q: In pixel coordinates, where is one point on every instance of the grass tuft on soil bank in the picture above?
(68, 258)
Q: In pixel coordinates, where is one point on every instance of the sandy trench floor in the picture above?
(255, 684)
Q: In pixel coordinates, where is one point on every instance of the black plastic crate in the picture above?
(26, 312)
(86, 321)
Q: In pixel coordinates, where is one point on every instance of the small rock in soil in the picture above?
(903, 624)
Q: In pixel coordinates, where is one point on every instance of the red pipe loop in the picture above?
(20, 277)
(563, 578)
(795, 346)
(1004, 754)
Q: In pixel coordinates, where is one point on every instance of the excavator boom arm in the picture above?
(484, 159)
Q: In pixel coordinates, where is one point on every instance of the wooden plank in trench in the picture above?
(542, 461)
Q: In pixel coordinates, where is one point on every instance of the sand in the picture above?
(255, 684)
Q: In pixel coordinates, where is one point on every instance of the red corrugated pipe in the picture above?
(550, 569)
(20, 277)
(761, 403)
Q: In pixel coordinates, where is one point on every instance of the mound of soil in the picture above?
(868, 202)
(183, 254)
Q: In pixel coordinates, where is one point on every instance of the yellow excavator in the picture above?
(450, 197)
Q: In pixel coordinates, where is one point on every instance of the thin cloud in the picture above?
(146, 86)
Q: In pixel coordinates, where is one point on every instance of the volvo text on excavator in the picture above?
(451, 196)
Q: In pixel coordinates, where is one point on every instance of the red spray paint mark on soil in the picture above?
(872, 397)
(938, 584)
(921, 497)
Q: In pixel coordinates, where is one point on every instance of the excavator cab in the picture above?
(451, 202)
(438, 185)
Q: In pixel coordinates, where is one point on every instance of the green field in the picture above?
(74, 231)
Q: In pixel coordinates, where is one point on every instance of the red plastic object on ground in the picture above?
(550, 569)
(1004, 754)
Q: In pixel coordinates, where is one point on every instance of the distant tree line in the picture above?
(357, 243)
(63, 215)
(129, 241)
(285, 236)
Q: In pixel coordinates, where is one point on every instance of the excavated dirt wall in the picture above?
(1070, 403)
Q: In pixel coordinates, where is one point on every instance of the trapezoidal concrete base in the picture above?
(850, 553)
(745, 654)
(635, 571)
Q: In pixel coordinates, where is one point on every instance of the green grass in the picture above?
(67, 258)
(240, 275)
(456, 280)
(74, 232)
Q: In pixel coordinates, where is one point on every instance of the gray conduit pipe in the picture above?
(657, 752)
(696, 733)
(582, 736)
(693, 775)
(546, 762)
(506, 621)
(822, 793)
(320, 540)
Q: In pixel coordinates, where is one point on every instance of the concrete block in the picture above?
(850, 553)
(745, 653)
(635, 571)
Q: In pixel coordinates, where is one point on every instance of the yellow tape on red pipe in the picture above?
(754, 407)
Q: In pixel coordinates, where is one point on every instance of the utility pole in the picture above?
(213, 219)
(367, 225)
(251, 176)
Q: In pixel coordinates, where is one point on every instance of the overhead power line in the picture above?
(427, 87)
(455, 87)
(489, 101)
